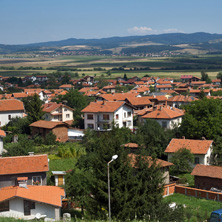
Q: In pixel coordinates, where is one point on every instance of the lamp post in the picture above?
(109, 204)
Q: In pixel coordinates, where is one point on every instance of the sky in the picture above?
(33, 21)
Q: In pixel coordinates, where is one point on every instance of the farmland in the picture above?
(118, 65)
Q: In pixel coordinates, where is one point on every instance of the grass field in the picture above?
(161, 66)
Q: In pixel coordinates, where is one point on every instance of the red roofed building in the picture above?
(139, 102)
(117, 96)
(180, 100)
(31, 202)
(168, 117)
(206, 177)
(101, 115)
(34, 167)
(57, 112)
(10, 108)
(202, 149)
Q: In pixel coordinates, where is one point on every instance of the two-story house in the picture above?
(101, 115)
(32, 167)
(10, 108)
(57, 112)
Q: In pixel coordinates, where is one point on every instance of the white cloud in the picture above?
(140, 30)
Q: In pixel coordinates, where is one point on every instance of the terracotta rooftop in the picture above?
(2, 133)
(159, 162)
(136, 101)
(164, 112)
(163, 86)
(49, 107)
(103, 106)
(47, 124)
(198, 82)
(11, 105)
(66, 86)
(44, 194)
(20, 95)
(118, 96)
(195, 146)
(23, 164)
(182, 98)
(207, 171)
(131, 145)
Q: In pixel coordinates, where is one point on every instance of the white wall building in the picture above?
(10, 108)
(101, 115)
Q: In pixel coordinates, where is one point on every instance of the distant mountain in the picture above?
(169, 39)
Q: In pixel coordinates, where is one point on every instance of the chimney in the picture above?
(183, 137)
(22, 182)
(203, 138)
(31, 153)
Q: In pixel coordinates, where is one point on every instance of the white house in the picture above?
(168, 117)
(101, 115)
(10, 108)
(202, 149)
(31, 202)
(57, 112)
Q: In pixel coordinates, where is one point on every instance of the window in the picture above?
(91, 126)
(197, 160)
(4, 206)
(46, 116)
(105, 116)
(37, 180)
(164, 124)
(208, 159)
(124, 114)
(9, 117)
(129, 123)
(128, 114)
(67, 115)
(65, 109)
(28, 206)
(89, 116)
(117, 116)
(56, 117)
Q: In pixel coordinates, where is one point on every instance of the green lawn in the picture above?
(196, 209)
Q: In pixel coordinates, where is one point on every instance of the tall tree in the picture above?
(33, 106)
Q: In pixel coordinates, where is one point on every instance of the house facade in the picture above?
(206, 177)
(33, 167)
(101, 115)
(10, 108)
(31, 202)
(202, 149)
(57, 112)
(168, 117)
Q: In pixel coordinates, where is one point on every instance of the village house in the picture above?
(139, 102)
(207, 177)
(10, 108)
(57, 112)
(180, 100)
(66, 87)
(168, 117)
(31, 202)
(202, 149)
(101, 115)
(43, 127)
(33, 167)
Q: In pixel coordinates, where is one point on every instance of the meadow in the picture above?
(98, 66)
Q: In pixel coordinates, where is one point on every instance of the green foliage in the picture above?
(71, 150)
(202, 118)
(33, 106)
(205, 77)
(182, 160)
(219, 76)
(21, 148)
(50, 139)
(202, 94)
(62, 164)
(18, 126)
(153, 137)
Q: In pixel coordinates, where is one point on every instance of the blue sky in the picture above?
(30, 21)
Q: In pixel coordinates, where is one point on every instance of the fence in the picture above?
(169, 189)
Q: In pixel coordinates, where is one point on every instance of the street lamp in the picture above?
(109, 204)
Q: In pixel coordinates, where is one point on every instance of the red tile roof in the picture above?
(207, 171)
(182, 98)
(2, 133)
(44, 194)
(118, 96)
(49, 107)
(159, 162)
(164, 112)
(136, 101)
(195, 146)
(163, 86)
(47, 124)
(23, 164)
(66, 86)
(11, 105)
(103, 107)
(131, 145)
